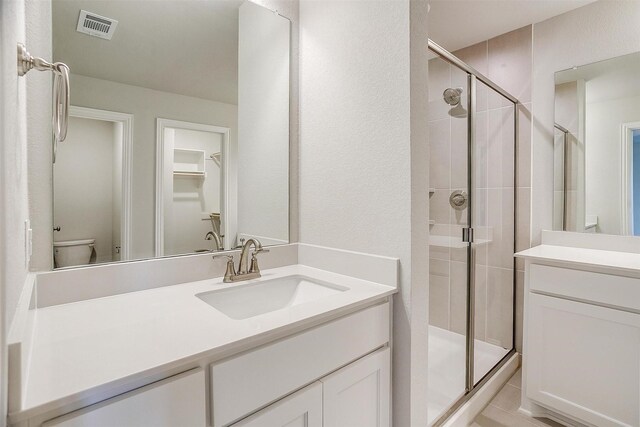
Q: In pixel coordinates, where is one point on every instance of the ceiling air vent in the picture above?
(96, 25)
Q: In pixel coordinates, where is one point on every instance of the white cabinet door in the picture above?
(359, 394)
(301, 409)
(176, 401)
(584, 361)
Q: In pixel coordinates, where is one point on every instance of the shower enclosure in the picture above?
(473, 131)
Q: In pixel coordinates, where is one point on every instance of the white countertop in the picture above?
(81, 346)
(627, 262)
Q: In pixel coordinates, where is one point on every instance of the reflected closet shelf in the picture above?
(190, 174)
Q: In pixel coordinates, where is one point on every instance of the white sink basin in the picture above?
(262, 297)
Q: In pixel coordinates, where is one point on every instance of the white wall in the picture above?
(356, 151)
(39, 149)
(146, 105)
(595, 32)
(84, 183)
(603, 151)
(263, 123)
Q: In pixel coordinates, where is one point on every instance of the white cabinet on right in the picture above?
(581, 349)
(358, 394)
(584, 361)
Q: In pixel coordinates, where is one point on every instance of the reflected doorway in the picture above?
(192, 197)
(91, 188)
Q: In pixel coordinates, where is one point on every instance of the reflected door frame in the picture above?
(126, 121)
(626, 179)
(161, 125)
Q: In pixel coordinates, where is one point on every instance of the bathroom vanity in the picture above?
(582, 329)
(305, 344)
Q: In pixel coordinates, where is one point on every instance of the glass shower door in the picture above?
(472, 134)
(448, 194)
(493, 216)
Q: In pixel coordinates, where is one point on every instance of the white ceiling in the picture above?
(455, 24)
(182, 46)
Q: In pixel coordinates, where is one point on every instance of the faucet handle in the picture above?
(254, 268)
(231, 269)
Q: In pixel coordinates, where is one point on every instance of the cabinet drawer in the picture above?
(583, 361)
(599, 288)
(251, 381)
(175, 401)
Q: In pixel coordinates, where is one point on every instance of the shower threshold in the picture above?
(446, 370)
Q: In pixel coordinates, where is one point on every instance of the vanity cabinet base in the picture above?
(356, 395)
(242, 384)
(584, 361)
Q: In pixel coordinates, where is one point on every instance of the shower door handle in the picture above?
(467, 235)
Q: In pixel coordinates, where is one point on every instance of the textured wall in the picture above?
(560, 43)
(39, 149)
(14, 168)
(355, 148)
(13, 178)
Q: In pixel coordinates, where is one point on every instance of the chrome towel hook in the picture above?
(61, 95)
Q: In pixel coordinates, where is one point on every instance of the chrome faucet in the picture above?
(244, 273)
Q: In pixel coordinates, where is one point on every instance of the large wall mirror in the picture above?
(597, 147)
(178, 139)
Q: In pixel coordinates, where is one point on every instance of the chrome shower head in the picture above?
(452, 96)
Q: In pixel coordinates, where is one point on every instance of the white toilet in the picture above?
(74, 252)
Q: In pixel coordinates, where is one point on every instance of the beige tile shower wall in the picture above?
(507, 60)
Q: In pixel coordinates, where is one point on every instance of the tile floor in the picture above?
(502, 411)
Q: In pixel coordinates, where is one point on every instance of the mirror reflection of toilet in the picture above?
(74, 252)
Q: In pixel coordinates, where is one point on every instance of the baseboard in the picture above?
(542, 412)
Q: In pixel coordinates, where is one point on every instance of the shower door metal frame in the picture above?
(472, 79)
(471, 250)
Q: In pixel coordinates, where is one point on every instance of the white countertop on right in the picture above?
(581, 257)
